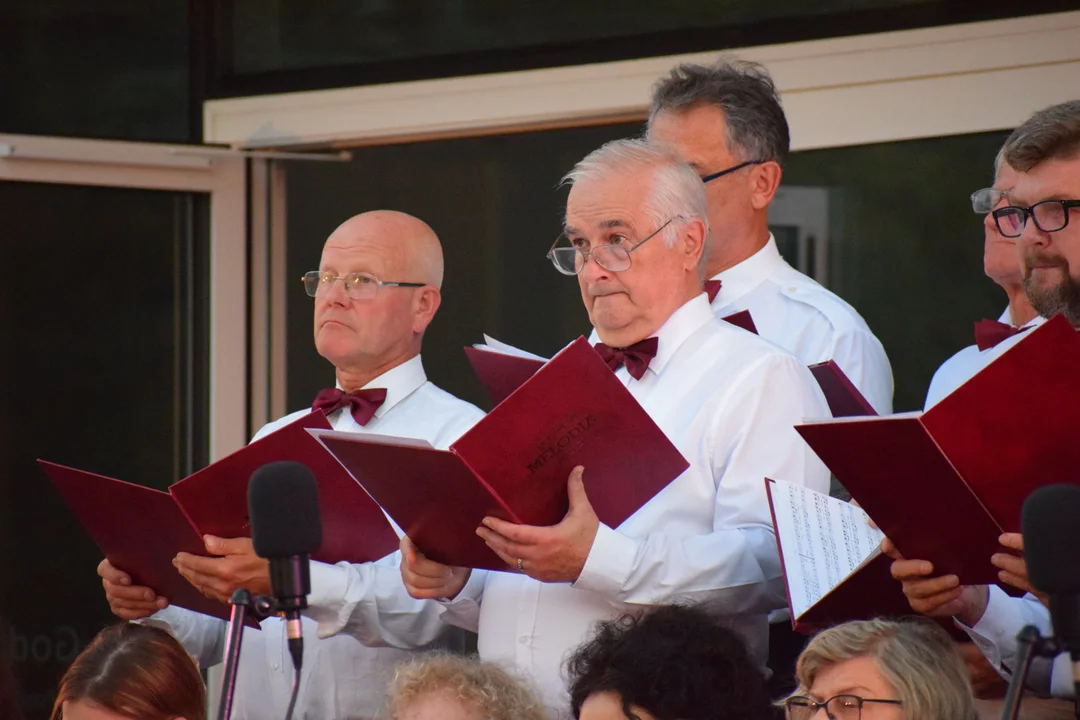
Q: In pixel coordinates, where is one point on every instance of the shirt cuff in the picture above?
(995, 632)
(329, 584)
(610, 561)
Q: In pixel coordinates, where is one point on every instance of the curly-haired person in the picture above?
(438, 686)
(674, 663)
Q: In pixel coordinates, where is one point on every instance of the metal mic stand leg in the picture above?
(1030, 644)
(241, 603)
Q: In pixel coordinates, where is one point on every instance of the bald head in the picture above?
(410, 248)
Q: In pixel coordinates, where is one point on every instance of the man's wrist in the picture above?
(976, 598)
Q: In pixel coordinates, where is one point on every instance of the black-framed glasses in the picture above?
(571, 259)
(838, 707)
(358, 285)
(1048, 215)
(722, 173)
(984, 200)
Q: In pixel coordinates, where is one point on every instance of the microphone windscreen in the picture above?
(283, 502)
(1050, 522)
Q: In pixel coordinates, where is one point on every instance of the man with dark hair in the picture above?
(726, 122)
(1045, 152)
(674, 663)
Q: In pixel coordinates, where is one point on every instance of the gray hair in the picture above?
(916, 657)
(1052, 133)
(756, 126)
(677, 193)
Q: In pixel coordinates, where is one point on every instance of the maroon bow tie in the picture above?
(713, 288)
(362, 403)
(636, 358)
(989, 333)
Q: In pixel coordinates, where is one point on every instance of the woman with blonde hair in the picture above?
(438, 686)
(882, 670)
(132, 672)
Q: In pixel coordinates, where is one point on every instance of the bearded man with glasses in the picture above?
(377, 289)
(636, 238)
(1039, 212)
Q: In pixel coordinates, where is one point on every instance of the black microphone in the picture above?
(283, 502)
(1051, 527)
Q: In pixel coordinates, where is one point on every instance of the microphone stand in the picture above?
(1030, 644)
(242, 603)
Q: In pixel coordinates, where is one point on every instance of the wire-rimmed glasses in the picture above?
(571, 259)
(984, 200)
(728, 171)
(1048, 215)
(358, 285)
(838, 707)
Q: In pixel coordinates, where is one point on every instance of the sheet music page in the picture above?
(494, 345)
(822, 541)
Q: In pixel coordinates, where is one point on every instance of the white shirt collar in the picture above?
(1006, 317)
(682, 323)
(400, 382)
(751, 272)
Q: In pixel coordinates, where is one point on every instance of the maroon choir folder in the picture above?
(502, 374)
(354, 527)
(141, 529)
(843, 397)
(514, 463)
(945, 483)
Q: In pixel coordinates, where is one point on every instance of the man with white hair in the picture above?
(636, 236)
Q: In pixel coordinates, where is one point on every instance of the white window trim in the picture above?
(881, 87)
(25, 158)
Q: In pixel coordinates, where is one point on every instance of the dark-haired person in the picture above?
(881, 670)
(725, 120)
(376, 291)
(132, 672)
(1043, 215)
(674, 663)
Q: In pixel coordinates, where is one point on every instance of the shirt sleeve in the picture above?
(369, 602)
(463, 611)
(862, 358)
(201, 635)
(995, 635)
(735, 567)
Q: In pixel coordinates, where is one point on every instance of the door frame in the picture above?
(177, 168)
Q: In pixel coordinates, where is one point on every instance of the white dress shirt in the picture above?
(342, 677)
(798, 314)
(965, 364)
(728, 400)
(995, 635)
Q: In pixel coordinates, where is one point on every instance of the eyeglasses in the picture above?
(986, 199)
(840, 707)
(722, 173)
(614, 258)
(358, 286)
(1049, 216)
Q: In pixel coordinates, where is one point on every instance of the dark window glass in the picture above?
(103, 69)
(888, 227)
(293, 44)
(103, 355)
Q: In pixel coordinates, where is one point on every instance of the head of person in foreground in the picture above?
(881, 670)
(132, 672)
(675, 663)
(439, 686)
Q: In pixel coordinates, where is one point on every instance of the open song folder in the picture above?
(140, 529)
(834, 569)
(945, 483)
(514, 464)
